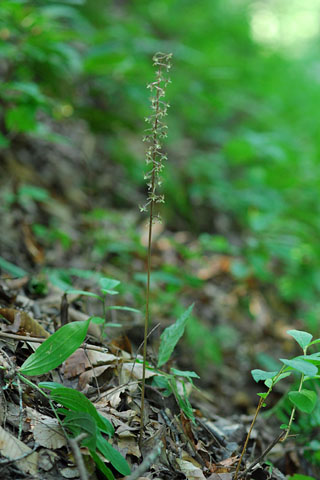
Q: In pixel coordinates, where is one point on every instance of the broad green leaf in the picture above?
(56, 349)
(75, 291)
(111, 454)
(100, 464)
(302, 338)
(305, 400)
(170, 337)
(301, 366)
(78, 402)
(12, 269)
(107, 285)
(82, 422)
(259, 375)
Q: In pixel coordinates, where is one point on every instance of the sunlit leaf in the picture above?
(301, 366)
(56, 349)
(302, 338)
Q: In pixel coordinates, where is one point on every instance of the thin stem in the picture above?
(248, 437)
(146, 321)
(293, 411)
(260, 404)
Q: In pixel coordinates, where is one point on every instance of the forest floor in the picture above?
(75, 222)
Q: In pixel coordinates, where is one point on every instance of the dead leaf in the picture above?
(214, 266)
(191, 471)
(22, 323)
(12, 448)
(35, 251)
(49, 434)
(70, 472)
(134, 370)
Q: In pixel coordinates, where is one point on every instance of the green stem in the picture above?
(260, 404)
(293, 411)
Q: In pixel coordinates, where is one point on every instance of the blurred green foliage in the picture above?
(243, 139)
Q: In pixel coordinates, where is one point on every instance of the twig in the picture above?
(261, 400)
(20, 409)
(263, 454)
(41, 340)
(147, 462)
(74, 445)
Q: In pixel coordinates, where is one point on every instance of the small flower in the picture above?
(157, 130)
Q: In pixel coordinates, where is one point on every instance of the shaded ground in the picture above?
(73, 220)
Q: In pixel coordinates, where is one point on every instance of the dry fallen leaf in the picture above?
(22, 323)
(191, 471)
(12, 448)
(49, 434)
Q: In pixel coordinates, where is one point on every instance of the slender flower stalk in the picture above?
(155, 133)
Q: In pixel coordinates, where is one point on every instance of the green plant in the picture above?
(173, 382)
(154, 161)
(107, 287)
(80, 415)
(62, 279)
(303, 399)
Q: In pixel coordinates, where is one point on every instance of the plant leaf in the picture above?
(74, 291)
(78, 402)
(107, 285)
(111, 454)
(301, 366)
(184, 373)
(302, 338)
(170, 337)
(100, 464)
(56, 349)
(12, 269)
(305, 400)
(126, 309)
(259, 375)
(82, 422)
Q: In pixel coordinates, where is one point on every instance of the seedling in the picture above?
(302, 399)
(107, 287)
